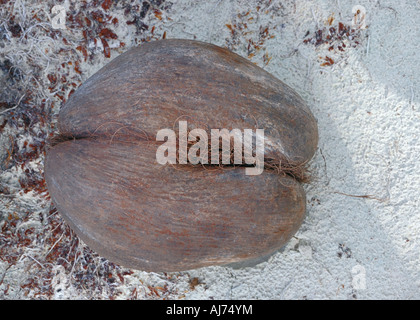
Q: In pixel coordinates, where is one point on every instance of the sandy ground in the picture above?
(361, 235)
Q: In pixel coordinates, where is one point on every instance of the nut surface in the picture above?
(106, 183)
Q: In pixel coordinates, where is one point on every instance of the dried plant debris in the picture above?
(343, 251)
(40, 67)
(21, 240)
(249, 30)
(336, 37)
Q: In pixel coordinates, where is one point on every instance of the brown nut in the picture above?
(104, 179)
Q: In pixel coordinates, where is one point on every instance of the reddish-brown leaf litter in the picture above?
(336, 37)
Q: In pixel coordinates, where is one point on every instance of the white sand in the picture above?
(361, 235)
